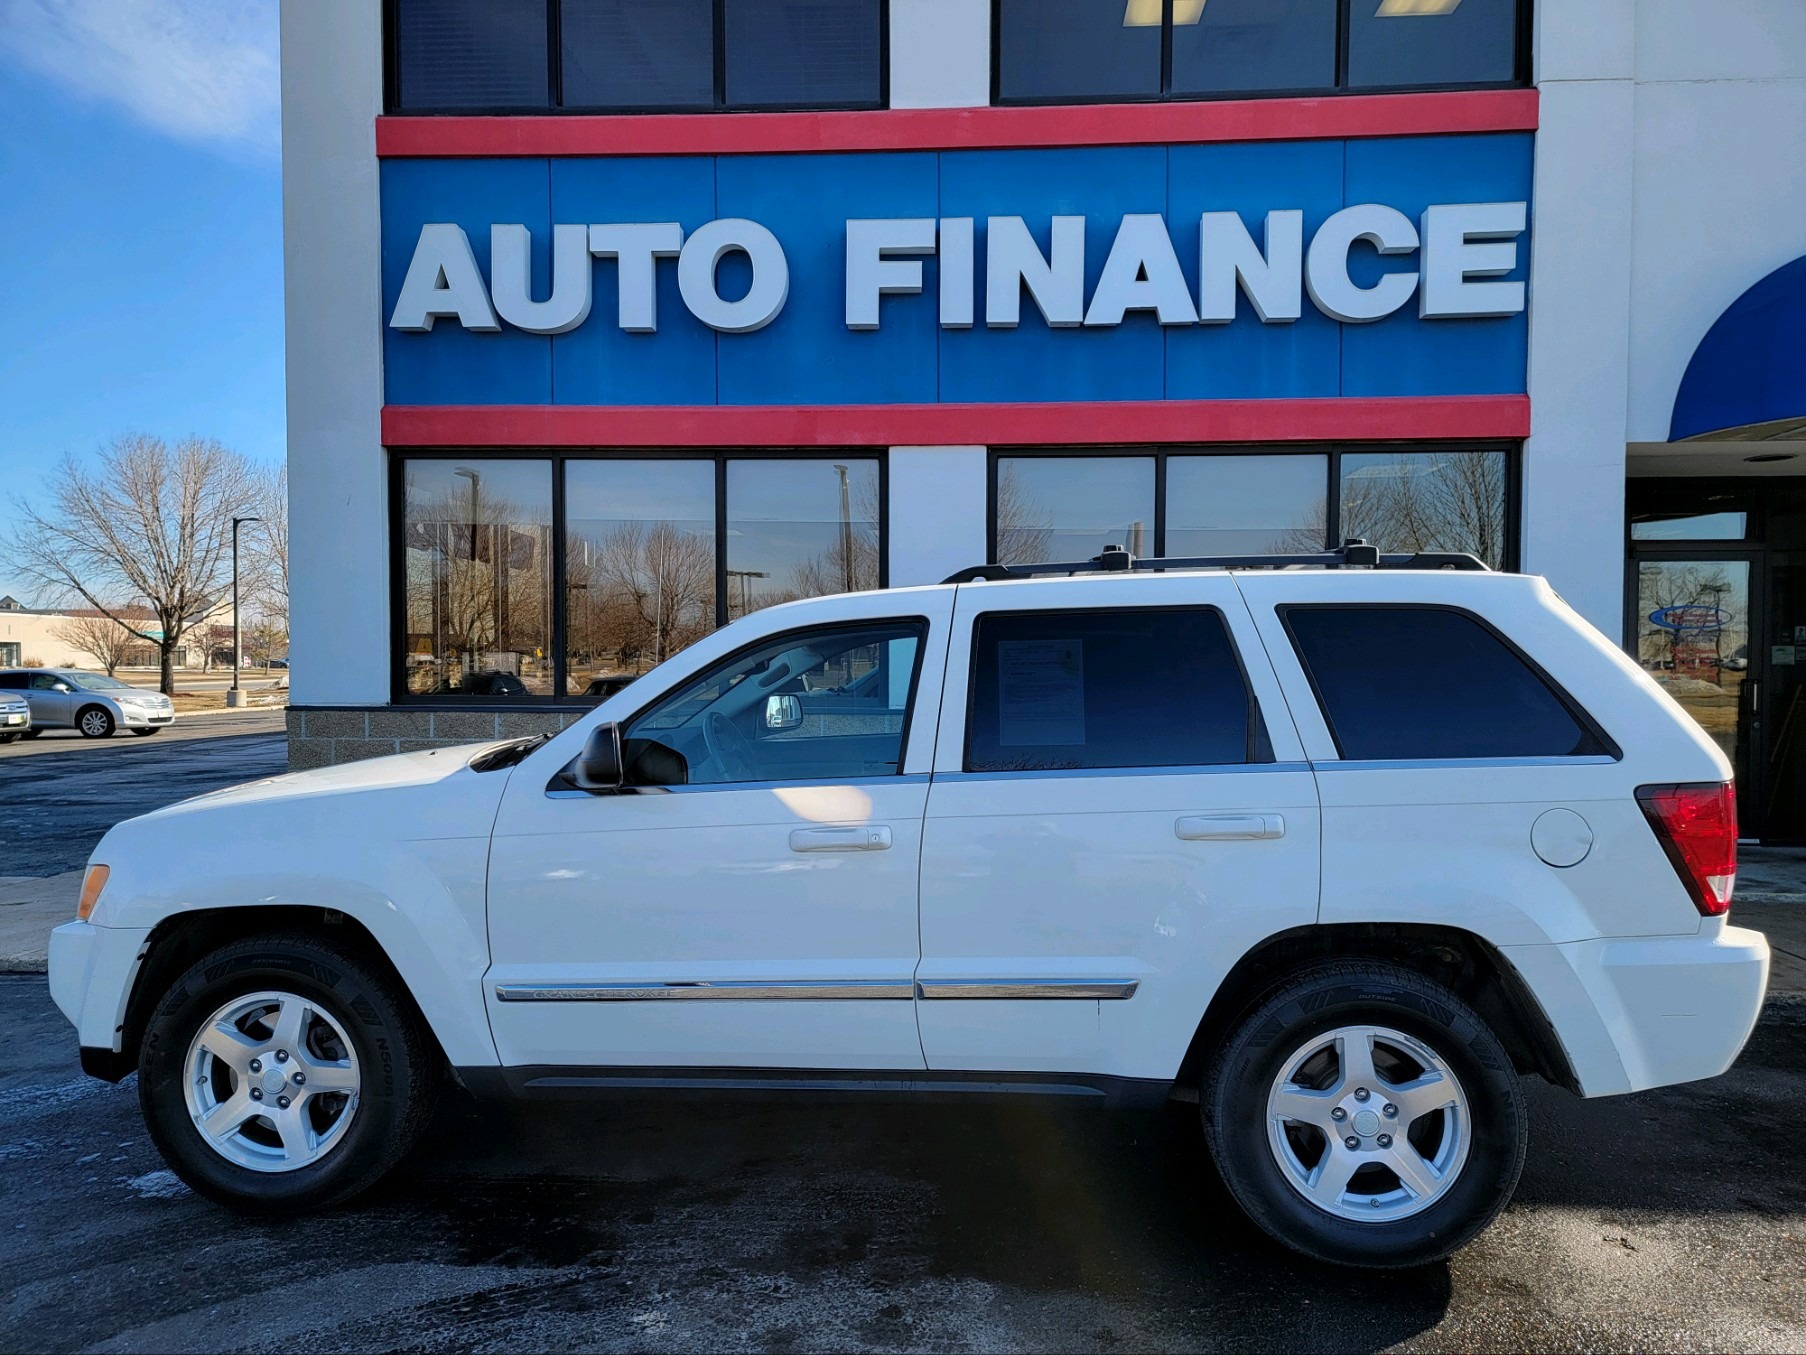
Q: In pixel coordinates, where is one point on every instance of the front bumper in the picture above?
(91, 974)
(1635, 1013)
(136, 717)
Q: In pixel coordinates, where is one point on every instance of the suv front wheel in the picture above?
(1367, 1116)
(283, 1073)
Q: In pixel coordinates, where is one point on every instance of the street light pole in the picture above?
(846, 534)
(232, 698)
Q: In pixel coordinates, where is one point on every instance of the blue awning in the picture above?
(1751, 366)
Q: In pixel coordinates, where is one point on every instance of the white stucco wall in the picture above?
(940, 53)
(937, 512)
(338, 532)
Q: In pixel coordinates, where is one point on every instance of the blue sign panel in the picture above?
(1391, 266)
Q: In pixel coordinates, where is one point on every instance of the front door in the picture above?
(1120, 810)
(749, 899)
(52, 700)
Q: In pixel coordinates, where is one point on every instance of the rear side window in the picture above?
(1428, 682)
(1132, 688)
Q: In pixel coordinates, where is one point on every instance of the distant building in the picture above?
(39, 637)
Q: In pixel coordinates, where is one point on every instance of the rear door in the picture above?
(1120, 809)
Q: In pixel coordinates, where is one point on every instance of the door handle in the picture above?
(1227, 827)
(870, 837)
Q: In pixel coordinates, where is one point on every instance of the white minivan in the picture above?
(1339, 851)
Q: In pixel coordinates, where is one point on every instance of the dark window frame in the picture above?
(1258, 749)
(557, 107)
(1523, 27)
(1608, 746)
(924, 627)
(1333, 501)
(399, 457)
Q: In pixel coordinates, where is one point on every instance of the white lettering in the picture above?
(1142, 274)
(1326, 266)
(956, 272)
(1013, 261)
(637, 247)
(1273, 278)
(443, 281)
(511, 279)
(696, 265)
(1471, 240)
(872, 275)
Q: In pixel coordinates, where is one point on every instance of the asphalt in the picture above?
(1672, 1220)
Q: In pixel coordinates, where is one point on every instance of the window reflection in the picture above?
(799, 529)
(1078, 49)
(1246, 505)
(1431, 42)
(471, 54)
(478, 577)
(1054, 508)
(637, 53)
(1251, 45)
(639, 567)
(801, 52)
(1410, 501)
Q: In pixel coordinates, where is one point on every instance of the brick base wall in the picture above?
(326, 737)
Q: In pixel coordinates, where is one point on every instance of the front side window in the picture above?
(825, 705)
(1086, 50)
(1135, 687)
(477, 578)
(1429, 682)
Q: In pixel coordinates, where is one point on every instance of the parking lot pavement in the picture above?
(1673, 1220)
(212, 724)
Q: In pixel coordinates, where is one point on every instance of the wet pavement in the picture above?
(1672, 1220)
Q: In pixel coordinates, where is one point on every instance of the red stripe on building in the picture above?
(1359, 115)
(1148, 421)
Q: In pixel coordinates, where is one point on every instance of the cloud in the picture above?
(199, 70)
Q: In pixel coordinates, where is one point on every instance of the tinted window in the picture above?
(1067, 49)
(1422, 682)
(638, 53)
(12, 681)
(471, 54)
(802, 52)
(1246, 505)
(827, 705)
(1230, 46)
(1431, 42)
(1130, 688)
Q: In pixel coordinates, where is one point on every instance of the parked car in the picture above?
(485, 683)
(15, 716)
(609, 684)
(278, 663)
(1338, 854)
(91, 703)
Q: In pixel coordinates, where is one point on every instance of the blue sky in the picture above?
(140, 230)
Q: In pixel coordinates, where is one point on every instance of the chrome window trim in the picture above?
(1430, 764)
(1069, 773)
(894, 779)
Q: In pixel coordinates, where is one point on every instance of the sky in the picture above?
(140, 231)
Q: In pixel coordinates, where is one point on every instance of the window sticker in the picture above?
(1040, 693)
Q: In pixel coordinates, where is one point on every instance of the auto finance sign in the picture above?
(1117, 273)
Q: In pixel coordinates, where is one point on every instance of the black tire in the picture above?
(144, 733)
(31, 733)
(7, 738)
(395, 1099)
(1324, 998)
(94, 728)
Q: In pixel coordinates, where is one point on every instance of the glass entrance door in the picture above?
(1694, 635)
(1783, 698)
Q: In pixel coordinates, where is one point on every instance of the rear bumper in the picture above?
(14, 721)
(91, 973)
(1635, 1013)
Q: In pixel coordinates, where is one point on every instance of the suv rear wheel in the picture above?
(1367, 1116)
(283, 1073)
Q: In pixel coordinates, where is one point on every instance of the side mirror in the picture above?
(597, 768)
(783, 712)
(62, 687)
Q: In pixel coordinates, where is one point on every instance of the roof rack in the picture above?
(1354, 553)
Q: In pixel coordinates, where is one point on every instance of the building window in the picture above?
(501, 56)
(1193, 501)
(1062, 51)
(642, 556)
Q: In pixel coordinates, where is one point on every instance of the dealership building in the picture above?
(612, 320)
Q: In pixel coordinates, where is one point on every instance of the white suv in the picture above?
(1337, 852)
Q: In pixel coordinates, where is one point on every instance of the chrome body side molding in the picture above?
(817, 990)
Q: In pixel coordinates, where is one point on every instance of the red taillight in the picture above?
(1697, 826)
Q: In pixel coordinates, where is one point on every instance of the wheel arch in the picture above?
(180, 940)
(1464, 962)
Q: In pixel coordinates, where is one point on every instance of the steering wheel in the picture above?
(731, 750)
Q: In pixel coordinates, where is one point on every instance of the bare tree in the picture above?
(1024, 525)
(269, 547)
(98, 634)
(264, 639)
(149, 520)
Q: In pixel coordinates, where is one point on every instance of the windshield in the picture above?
(98, 682)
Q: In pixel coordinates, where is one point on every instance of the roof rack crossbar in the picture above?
(1353, 553)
